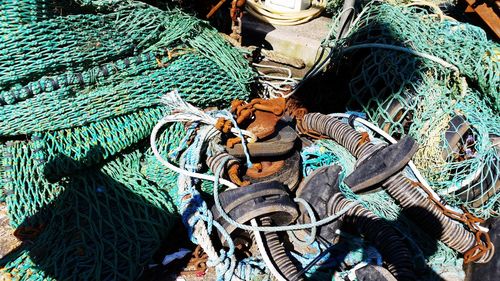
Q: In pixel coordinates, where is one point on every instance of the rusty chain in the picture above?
(198, 263)
(483, 242)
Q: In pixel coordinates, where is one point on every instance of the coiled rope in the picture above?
(276, 17)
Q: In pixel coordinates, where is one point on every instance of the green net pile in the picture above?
(417, 72)
(76, 42)
(104, 224)
(79, 96)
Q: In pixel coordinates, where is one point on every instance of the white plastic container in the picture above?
(288, 5)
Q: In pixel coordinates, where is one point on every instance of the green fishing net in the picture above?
(77, 42)
(76, 148)
(17, 12)
(25, 187)
(464, 46)
(79, 96)
(169, 140)
(98, 3)
(105, 224)
(70, 82)
(196, 75)
(416, 72)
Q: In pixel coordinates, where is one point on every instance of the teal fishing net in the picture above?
(17, 12)
(105, 225)
(76, 148)
(71, 82)
(414, 71)
(153, 170)
(25, 187)
(191, 74)
(76, 42)
(79, 96)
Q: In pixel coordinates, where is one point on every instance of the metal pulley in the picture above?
(270, 205)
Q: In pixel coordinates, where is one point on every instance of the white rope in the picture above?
(173, 99)
(174, 168)
(263, 252)
(182, 111)
(276, 86)
(200, 231)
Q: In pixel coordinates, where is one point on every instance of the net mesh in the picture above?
(71, 82)
(18, 12)
(196, 75)
(449, 102)
(77, 42)
(25, 187)
(104, 225)
(77, 148)
(82, 92)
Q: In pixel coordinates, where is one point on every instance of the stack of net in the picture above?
(415, 71)
(77, 42)
(79, 96)
(199, 76)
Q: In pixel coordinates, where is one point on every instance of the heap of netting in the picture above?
(415, 71)
(79, 96)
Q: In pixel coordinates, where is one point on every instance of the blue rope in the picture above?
(183, 144)
(194, 209)
(250, 267)
(357, 114)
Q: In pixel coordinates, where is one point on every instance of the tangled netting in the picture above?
(431, 257)
(192, 74)
(76, 42)
(94, 217)
(415, 71)
(16, 12)
(334, 6)
(79, 94)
